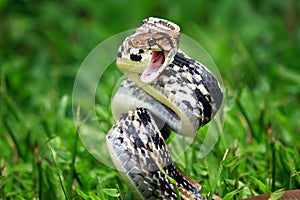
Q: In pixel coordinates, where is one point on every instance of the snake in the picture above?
(164, 90)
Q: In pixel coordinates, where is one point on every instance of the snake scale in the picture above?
(164, 89)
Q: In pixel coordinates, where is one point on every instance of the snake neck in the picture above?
(185, 86)
(151, 59)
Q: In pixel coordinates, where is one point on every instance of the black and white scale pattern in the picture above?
(184, 97)
(142, 153)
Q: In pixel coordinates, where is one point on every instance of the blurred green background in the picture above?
(255, 44)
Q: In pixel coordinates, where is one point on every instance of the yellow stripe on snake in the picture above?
(165, 89)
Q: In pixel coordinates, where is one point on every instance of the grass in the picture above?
(256, 46)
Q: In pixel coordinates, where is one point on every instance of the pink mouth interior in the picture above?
(158, 57)
(154, 68)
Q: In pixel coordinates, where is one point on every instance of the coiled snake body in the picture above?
(164, 89)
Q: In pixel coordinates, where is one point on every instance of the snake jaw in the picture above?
(154, 67)
(159, 61)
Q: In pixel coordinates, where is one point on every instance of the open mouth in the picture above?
(155, 66)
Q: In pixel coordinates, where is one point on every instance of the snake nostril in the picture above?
(135, 42)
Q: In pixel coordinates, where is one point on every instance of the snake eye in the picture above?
(151, 41)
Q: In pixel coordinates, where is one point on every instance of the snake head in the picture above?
(157, 42)
(162, 47)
